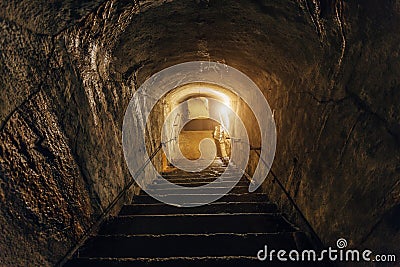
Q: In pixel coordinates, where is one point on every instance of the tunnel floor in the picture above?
(227, 232)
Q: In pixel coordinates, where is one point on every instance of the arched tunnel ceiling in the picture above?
(276, 38)
(185, 92)
(329, 69)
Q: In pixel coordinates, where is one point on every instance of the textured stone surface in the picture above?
(47, 17)
(44, 202)
(24, 61)
(329, 70)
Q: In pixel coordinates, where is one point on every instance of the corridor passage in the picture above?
(228, 232)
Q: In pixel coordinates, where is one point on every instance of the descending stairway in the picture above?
(228, 232)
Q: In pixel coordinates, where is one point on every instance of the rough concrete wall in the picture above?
(153, 137)
(330, 72)
(45, 204)
(44, 201)
(24, 62)
(46, 17)
(60, 156)
(94, 110)
(338, 147)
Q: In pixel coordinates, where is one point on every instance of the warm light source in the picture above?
(196, 95)
(201, 90)
(223, 115)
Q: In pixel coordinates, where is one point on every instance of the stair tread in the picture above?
(227, 232)
(202, 223)
(215, 207)
(195, 215)
(188, 182)
(196, 198)
(187, 190)
(220, 244)
(197, 234)
(221, 261)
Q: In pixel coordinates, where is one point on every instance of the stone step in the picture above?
(235, 261)
(230, 197)
(197, 224)
(211, 190)
(228, 232)
(207, 172)
(206, 179)
(216, 207)
(193, 183)
(185, 245)
(199, 174)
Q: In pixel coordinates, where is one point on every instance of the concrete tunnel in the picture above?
(328, 69)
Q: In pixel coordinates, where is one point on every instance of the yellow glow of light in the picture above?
(201, 89)
(204, 90)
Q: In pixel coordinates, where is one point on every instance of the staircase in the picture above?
(228, 232)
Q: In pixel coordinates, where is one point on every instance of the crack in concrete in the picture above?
(315, 17)
(313, 11)
(349, 134)
(4, 122)
(361, 104)
(326, 115)
(323, 101)
(341, 22)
